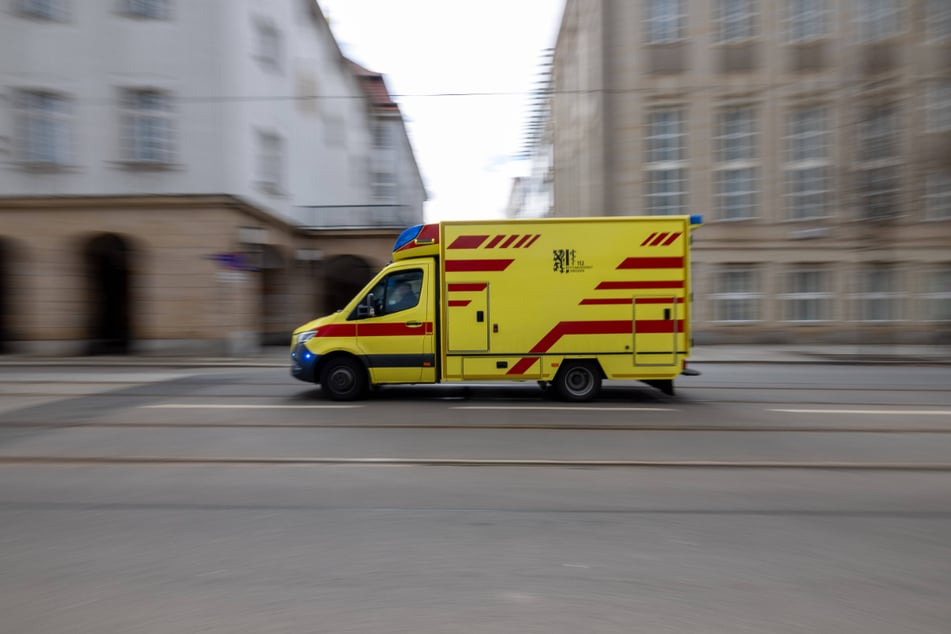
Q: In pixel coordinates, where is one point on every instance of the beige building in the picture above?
(814, 137)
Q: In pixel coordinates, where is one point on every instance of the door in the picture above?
(467, 322)
(657, 326)
(396, 338)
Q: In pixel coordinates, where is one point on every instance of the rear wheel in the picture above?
(344, 379)
(579, 381)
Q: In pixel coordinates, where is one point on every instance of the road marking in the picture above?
(892, 412)
(244, 406)
(467, 462)
(568, 408)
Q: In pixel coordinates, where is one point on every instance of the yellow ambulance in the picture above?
(566, 302)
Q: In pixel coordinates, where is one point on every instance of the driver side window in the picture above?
(394, 293)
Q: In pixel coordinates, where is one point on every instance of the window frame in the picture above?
(930, 296)
(889, 297)
(794, 295)
(807, 152)
(270, 161)
(45, 10)
(663, 27)
(736, 163)
(801, 18)
(878, 20)
(144, 146)
(269, 49)
(739, 15)
(44, 128)
(666, 161)
(724, 300)
(159, 10)
(938, 195)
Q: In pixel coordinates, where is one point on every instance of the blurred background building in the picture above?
(188, 175)
(814, 136)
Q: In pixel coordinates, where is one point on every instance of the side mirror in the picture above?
(366, 309)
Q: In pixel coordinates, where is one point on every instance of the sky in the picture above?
(466, 146)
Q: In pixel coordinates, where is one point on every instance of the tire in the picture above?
(344, 379)
(578, 382)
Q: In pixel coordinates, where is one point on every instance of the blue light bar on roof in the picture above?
(407, 236)
(696, 219)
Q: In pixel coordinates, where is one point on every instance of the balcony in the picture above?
(357, 216)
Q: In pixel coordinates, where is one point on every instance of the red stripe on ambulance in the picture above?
(651, 263)
(468, 242)
(523, 365)
(464, 288)
(634, 285)
(462, 266)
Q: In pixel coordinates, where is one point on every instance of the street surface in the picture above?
(760, 498)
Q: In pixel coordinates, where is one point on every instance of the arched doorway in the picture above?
(107, 260)
(344, 277)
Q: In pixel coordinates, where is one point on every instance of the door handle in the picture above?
(414, 324)
(480, 316)
(667, 314)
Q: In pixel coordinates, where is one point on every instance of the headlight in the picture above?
(305, 336)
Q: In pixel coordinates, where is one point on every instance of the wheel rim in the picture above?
(579, 381)
(342, 379)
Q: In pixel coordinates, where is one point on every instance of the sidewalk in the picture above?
(278, 357)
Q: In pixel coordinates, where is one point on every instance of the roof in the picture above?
(374, 86)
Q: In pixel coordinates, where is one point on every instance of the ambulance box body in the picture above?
(565, 302)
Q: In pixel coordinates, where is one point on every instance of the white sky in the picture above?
(465, 145)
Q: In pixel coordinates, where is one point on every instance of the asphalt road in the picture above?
(238, 500)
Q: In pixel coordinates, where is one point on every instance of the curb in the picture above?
(460, 462)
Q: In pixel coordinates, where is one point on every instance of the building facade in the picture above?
(813, 136)
(188, 147)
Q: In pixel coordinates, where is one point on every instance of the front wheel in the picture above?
(344, 379)
(578, 382)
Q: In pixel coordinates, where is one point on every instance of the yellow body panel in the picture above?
(612, 289)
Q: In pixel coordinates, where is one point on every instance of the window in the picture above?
(382, 136)
(269, 47)
(736, 20)
(878, 299)
(807, 163)
(939, 19)
(736, 170)
(384, 185)
(147, 9)
(878, 19)
(666, 165)
(938, 195)
(879, 179)
(738, 296)
(270, 162)
(879, 133)
(937, 295)
(44, 125)
(806, 19)
(147, 129)
(43, 9)
(394, 293)
(807, 297)
(666, 21)
(939, 106)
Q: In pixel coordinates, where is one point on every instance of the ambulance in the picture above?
(566, 302)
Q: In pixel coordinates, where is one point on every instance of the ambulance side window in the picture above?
(394, 293)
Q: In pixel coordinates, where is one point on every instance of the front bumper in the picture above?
(304, 364)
